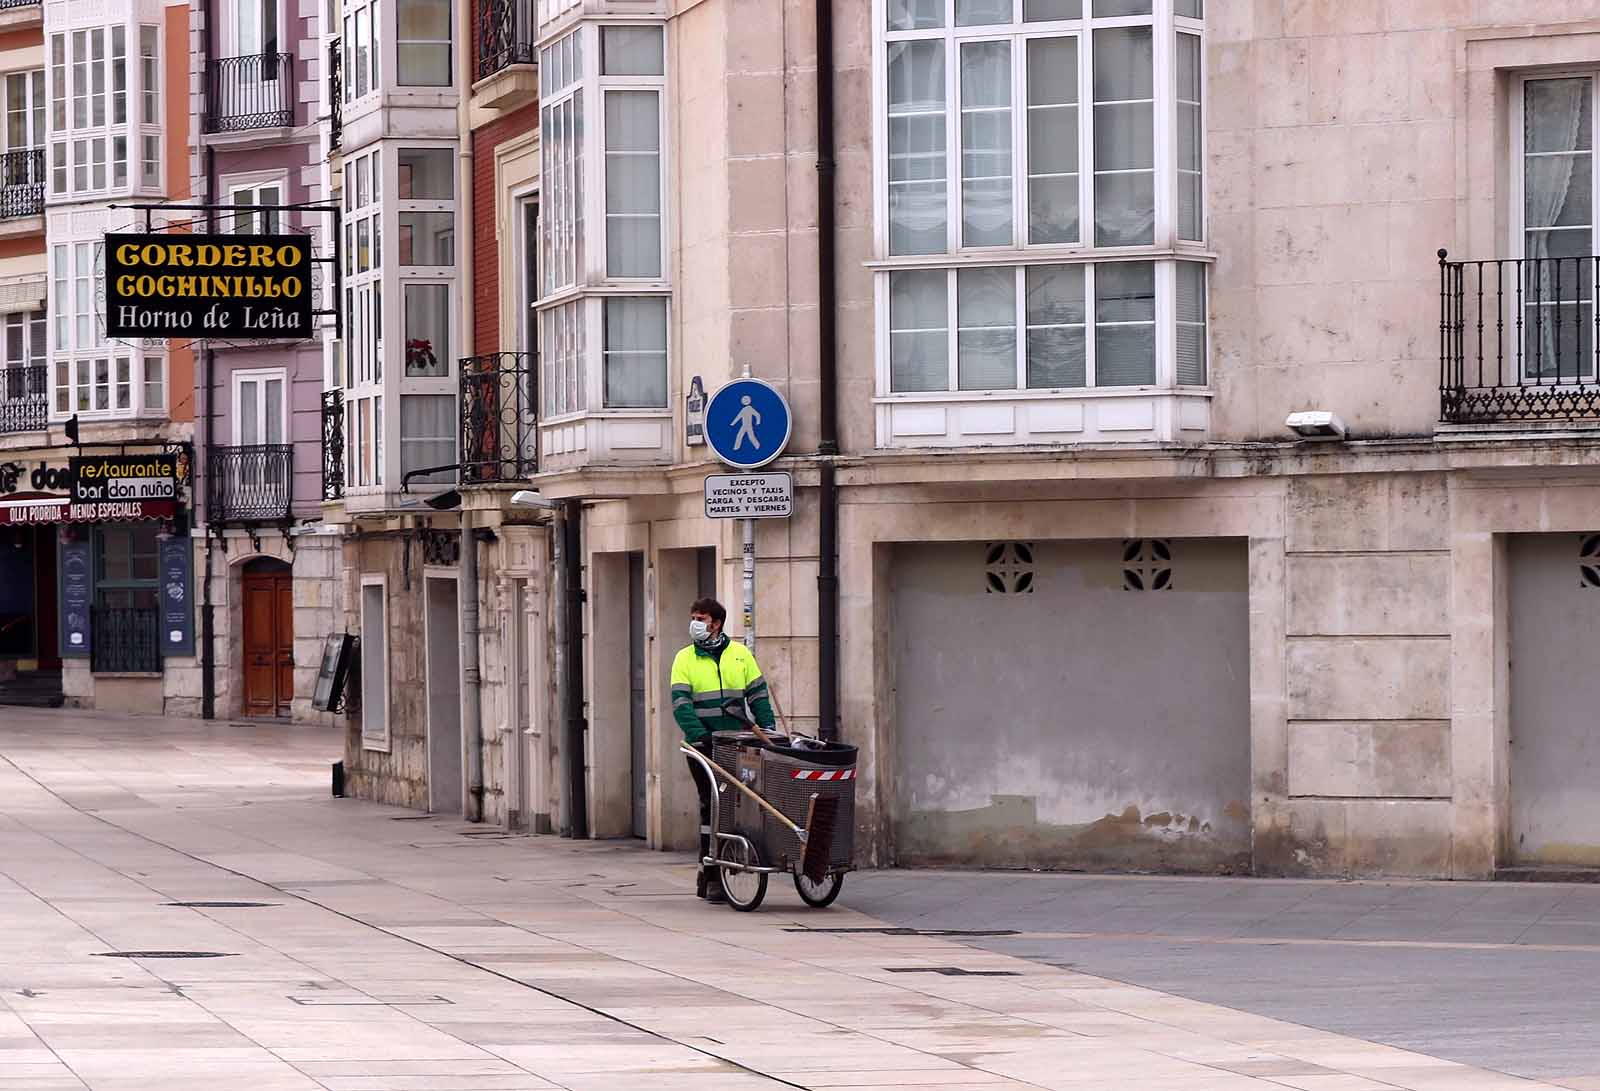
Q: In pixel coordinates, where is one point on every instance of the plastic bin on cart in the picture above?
(787, 777)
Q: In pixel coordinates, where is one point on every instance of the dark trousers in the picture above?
(704, 786)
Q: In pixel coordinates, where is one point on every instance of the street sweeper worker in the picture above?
(714, 681)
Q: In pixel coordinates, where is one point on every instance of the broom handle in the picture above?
(733, 780)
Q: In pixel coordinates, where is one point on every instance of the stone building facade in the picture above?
(1098, 605)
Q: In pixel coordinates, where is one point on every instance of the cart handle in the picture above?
(733, 780)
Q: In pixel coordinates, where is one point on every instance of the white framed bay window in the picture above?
(605, 295)
(90, 375)
(1041, 258)
(104, 130)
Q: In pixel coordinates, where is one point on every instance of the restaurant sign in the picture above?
(249, 287)
(105, 479)
(58, 509)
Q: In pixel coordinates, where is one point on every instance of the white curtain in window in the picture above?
(1057, 318)
(1191, 310)
(919, 331)
(631, 51)
(986, 329)
(1124, 136)
(635, 353)
(424, 43)
(427, 435)
(918, 214)
(986, 213)
(1190, 138)
(633, 184)
(427, 322)
(1125, 324)
(1053, 177)
(1558, 214)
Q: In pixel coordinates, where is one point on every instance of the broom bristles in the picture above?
(822, 818)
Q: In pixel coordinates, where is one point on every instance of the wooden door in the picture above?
(268, 643)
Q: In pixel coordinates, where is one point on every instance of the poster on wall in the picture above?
(77, 595)
(177, 615)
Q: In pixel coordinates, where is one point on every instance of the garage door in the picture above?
(1072, 704)
(1555, 690)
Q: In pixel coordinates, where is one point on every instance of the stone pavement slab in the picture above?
(422, 954)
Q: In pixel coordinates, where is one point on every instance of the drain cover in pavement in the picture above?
(165, 954)
(220, 905)
(953, 933)
(950, 971)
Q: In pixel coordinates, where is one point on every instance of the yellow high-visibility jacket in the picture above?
(706, 681)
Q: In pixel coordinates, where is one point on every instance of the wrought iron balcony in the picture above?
(499, 424)
(335, 93)
(125, 640)
(22, 183)
(1518, 339)
(505, 35)
(24, 398)
(4, 4)
(332, 444)
(255, 92)
(249, 484)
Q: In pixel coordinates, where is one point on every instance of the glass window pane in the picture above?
(1053, 140)
(635, 353)
(1125, 330)
(982, 12)
(633, 184)
(426, 238)
(919, 331)
(1557, 115)
(631, 51)
(1104, 9)
(1057, 332)
(1039, 11)
(916, 14)
(427, 435)
(427, 330)
(1124, 213)
(986, 213)
(426, 174)
(1190, 138)
(1124, 137)
(1124, 64)
(1190, 9)
(918, 216)
(986, 329)
(1191, 311)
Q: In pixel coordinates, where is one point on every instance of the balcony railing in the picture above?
(332, 445)
(24, 398)
(249, 484)
(335, 93)
(22, 183)
(125, 640)
(505, 35)
(4, 4)
(1519, 339)
(499, 424)
(255, 92)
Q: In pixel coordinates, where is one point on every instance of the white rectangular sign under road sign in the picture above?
(750, 496)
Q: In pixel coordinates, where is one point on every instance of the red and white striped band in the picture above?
(824, 774)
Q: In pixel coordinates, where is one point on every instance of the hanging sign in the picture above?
(77, 594)
(244, 286)
(177, 616)
(749, 496)
(124, 478)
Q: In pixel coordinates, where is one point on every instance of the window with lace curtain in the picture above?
(1556, 235)
(1041, 197)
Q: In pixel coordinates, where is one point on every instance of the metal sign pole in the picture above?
(749, 584)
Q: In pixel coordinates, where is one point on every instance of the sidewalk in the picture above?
(392, 950)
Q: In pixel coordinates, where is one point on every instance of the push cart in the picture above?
(764, 811)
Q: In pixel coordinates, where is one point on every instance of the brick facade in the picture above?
(485, 244)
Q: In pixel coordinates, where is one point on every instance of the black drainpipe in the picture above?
(573, 714)
(828, 375)
(208, 628)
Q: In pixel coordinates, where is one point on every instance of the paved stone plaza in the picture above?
(382, 949)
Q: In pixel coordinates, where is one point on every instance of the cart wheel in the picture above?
(745, 889)
(819, 895)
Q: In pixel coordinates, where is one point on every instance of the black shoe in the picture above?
(715, 895)
(700, 885)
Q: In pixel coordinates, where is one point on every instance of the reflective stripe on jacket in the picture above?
(705, 682)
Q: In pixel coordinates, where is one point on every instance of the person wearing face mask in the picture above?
(714, 681)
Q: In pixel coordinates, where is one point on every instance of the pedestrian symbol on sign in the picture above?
(747, 423)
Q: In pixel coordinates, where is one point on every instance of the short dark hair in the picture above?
(711, 607)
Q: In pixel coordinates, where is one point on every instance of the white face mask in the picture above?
(699, 631)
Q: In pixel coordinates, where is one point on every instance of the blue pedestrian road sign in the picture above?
(747, 423)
